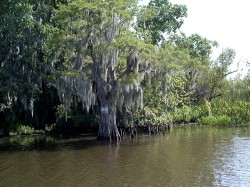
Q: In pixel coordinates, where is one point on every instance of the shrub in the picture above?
(188, 114)
(50, 127)
(238, 111)
(151, 116)
(223, 120)
(21, 130)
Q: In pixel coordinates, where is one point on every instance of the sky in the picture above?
(225, 21)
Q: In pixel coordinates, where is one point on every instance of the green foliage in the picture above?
(60, 111)
(239, 111)
(21, 130)
(238, 90)
(50, 128)
(226, 113)
(25, 28)
(223, 120)
(184, 114)
(197, 46)
(159, 17)
(225, 59)
(42, 41)
(151, 116)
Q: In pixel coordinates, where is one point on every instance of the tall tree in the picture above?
(101, 63)
(24, 30)
(159, 17)
(197, 46)
(199, 71)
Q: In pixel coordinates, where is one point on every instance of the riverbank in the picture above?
(93, 130)
(125, 132)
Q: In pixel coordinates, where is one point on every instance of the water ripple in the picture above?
(232, 166)
(185, 157)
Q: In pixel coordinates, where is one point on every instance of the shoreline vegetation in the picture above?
(201, 116)
(110, 68)
(125, 132)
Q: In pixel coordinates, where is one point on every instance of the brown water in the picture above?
(190, 156)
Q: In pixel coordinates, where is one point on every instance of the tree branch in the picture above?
(231, 72)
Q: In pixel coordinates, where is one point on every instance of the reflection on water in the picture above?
(190, 156)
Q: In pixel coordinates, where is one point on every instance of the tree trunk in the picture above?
(107, 125)
(107, 96)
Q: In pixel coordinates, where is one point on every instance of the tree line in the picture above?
(111, 65)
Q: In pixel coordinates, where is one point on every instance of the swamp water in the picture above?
(187, 156)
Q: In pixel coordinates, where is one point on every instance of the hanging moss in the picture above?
(67, 86)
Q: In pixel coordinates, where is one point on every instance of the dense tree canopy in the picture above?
(158, 18)
(113, 61)
(24, 32)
